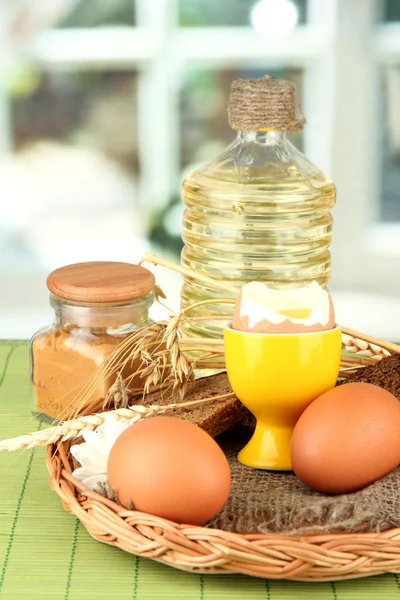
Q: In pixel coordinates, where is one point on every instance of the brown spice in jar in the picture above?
(64, 362)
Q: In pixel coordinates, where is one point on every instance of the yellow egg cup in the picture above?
(276, 376)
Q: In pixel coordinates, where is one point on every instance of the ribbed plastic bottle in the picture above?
(260, 211)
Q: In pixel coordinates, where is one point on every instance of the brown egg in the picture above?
(170, 468)
(241, 323)
(347, 438)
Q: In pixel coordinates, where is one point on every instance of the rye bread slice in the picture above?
(385, 373)
(214, 417)
(217, 417)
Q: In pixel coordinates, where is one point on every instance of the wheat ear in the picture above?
(75, 428)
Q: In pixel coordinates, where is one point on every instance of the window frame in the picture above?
(341, 68)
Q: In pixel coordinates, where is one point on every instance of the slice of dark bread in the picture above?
(385, 373)
(216, 416)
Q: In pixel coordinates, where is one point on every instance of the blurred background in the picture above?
(104, 106)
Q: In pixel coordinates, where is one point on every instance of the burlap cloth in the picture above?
(277, 502)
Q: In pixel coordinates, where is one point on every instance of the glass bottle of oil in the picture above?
(260, 211)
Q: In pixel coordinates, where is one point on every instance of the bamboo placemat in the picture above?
(47, 553)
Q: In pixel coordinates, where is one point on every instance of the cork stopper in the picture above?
(264, 103)
(101, 282)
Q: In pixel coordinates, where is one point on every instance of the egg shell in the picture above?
(241, 323)
(169, 468)
(347, 438)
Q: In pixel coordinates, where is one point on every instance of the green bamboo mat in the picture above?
(47, 553)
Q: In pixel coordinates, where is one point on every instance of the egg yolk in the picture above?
(296, 313)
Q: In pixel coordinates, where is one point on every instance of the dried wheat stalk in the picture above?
(161, 355)
(359, 345)
(75, 428)
(155, 260)
(156, 351)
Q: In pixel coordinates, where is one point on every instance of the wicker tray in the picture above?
(325, 557)
(319, 557)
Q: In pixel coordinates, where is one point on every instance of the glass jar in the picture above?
(96, 306)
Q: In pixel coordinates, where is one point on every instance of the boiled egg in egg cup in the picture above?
(282, 351)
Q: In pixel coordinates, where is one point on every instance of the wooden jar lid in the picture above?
(101, 282)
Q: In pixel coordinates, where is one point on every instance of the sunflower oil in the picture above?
(259, 212)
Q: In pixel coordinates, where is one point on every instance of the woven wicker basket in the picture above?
(324, 557)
